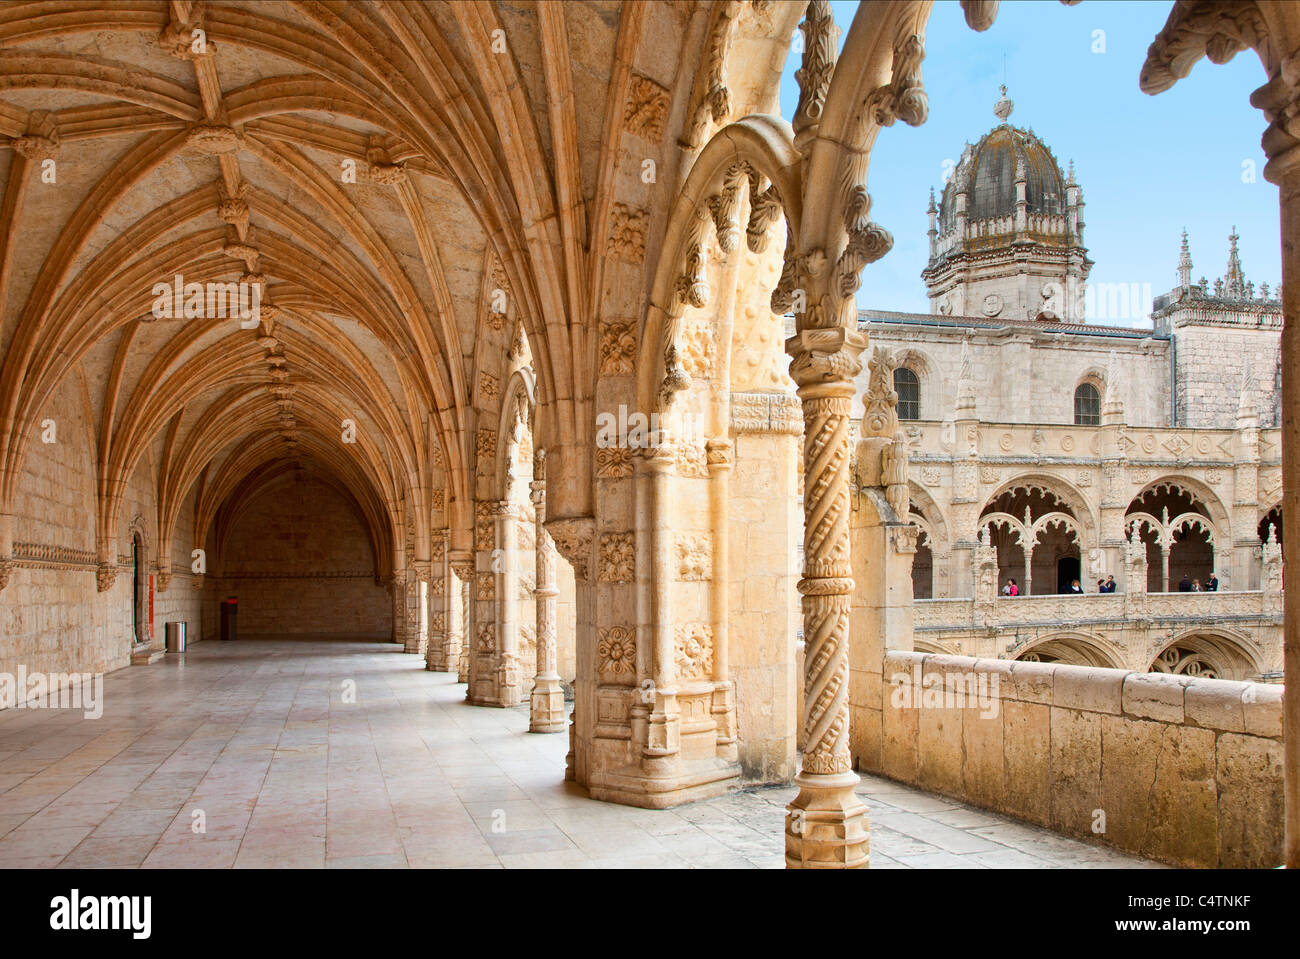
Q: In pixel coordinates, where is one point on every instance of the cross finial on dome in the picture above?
(1002, 109)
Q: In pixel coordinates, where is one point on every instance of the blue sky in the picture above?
(1149, 166)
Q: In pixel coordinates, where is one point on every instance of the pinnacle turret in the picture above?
(1185, 264)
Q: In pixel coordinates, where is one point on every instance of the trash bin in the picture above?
(229, 618)
(175, 637)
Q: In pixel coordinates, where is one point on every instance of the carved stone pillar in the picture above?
(723, 707)
(1135, 565)
(546, 705)
(464, 571)
(1270, 580)
(7, 564)
(397, 594)
(662, 750)
(1279, 100)
(483, 640)
(827, 823)
(418, 584)
(986, 585)
(505, 569)
(438, 657)
(574, 538)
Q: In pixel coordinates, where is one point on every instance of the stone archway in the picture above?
(1181, 534)
(1207, 656)
(1033, 529)
(1076, 649)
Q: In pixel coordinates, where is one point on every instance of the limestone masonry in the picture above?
(523, 341)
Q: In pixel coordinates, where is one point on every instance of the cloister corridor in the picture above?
(257, 735)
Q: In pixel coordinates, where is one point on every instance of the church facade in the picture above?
(1048, 450)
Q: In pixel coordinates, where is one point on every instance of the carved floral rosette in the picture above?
(693, 651)
(616, 652)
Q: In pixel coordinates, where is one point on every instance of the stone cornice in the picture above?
(47, 556)
(342, 574)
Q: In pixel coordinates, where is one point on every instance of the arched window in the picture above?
(1087, 405)
(908, 388)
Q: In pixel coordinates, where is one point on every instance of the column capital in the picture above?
(718, 454)
(573, 538)
(1279, 99)
(825, 361)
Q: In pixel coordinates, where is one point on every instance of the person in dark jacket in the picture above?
(1212, 584)
(1185, 584)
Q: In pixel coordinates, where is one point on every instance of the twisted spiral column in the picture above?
(827, 823)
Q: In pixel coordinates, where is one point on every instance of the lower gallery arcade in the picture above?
(760, 577)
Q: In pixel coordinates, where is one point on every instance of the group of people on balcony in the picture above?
(1189, 585)
(1107, 585)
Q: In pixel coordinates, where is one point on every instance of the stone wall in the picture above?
(1029, 376)
(1186, 771)
(300, 563)
(53, 619)
(764, 532)
(1210, 364)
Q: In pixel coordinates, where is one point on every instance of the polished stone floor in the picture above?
(342, 754)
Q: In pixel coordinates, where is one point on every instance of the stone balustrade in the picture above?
(947, 614)
(1148, 446)
(1242, 629)
(1184, 770)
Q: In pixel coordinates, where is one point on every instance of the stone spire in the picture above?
(1185, 264)
(1112, 410)
(965, 386)
(1234, 281)
(1247, 414)
(1002, 109)
(933, 212)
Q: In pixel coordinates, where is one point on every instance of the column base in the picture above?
(496, 699)
(147, 655)
(827, 825)
(546, 707)
(570, 760)
(703, 779)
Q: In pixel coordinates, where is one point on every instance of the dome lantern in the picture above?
(1002, 109)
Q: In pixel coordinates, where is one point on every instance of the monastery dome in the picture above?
(988, 171)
